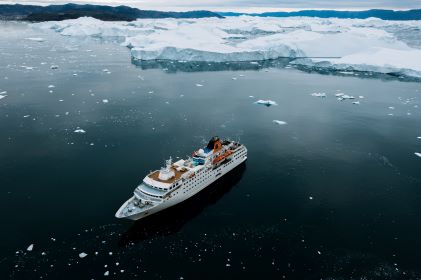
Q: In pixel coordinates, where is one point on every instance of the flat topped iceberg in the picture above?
(350, 44)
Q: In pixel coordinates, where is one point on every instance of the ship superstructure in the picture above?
(180, 180)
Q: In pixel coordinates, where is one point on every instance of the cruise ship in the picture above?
(178, 181)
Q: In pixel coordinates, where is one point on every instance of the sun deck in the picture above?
(155, 176)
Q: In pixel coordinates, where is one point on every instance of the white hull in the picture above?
(204, 177)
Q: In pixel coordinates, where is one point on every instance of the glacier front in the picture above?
(352, 44)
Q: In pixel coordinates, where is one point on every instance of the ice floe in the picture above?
(318, 94)
(279, 122)
(79, 130)
(418, 154)
(345, 45)
(82, 255)
(36, 39)
(266, 102)
(30, 247)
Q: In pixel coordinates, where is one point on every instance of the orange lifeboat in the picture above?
(222, 156)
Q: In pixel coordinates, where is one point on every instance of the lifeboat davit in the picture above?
(222, 157)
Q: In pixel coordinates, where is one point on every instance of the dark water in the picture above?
(333, 194)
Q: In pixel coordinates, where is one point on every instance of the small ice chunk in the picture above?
(79, 130)
(36, 39)
(356, 102)
(227, 265)
(82, 255)
(392, 108)
(318, 94)
(361, 96)
(318, 252)
(51, 86)
(54, 66)
(104, 100)
(2, 96)
(419, 137)
(106, 273)
(345, 96)
(266, 102)
(251, 96)
(310, 197)
(418, 154)
(339, 94)
(26, 116)
(30, 247)
(279, 122)
(199, 85)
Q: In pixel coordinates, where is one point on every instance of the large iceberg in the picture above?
(358, 44)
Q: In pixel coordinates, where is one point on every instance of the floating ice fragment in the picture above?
(54, 66)
(26, 116)
(199, 85)
(82, 255)
(75, 74)
(43, 254)
(2, 96)
(227, 265)
(251, 96)
(339, 94)
(51, 86)
(104, 100)
(106, 273)
(356, 102)
(392, 108)
(361, 96)
(28, 67)
(35, 39)
(279, 122)
(30, 247)
(266, 102)
(418, 154)
(310, 197)
(318, 94)
(318, 252)
(79, 130)
(419, 137)
(345, 96)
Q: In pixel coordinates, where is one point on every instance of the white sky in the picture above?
(241, 5)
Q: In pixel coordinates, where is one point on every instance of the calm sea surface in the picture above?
(333, 194)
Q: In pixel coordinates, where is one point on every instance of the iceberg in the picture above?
(344, 45)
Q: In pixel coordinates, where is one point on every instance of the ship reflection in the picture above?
(171, 220)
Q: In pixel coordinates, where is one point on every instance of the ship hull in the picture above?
(189, 191)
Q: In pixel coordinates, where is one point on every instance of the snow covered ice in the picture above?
(266, 102)
(345, 45)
